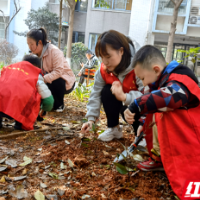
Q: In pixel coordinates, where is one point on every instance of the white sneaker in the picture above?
(110, 134)
(142, 142)
(60, 109)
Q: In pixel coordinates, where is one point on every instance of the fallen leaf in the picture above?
(3, 160)
(134, 173)
(11, 162)
(71, 164)
(3, 179)
(19, 178)
(27, 161)
(105, 153)
(67, 142)
(66, 128)
(39, 195)
(24, 171)
(3, 167)
(53, 175)
(138, 157)
(62, 166)
(42, 185)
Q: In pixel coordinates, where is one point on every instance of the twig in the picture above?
(25, 132)
(173, 2)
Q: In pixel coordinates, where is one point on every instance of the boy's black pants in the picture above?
(113, 108)
(58, 90)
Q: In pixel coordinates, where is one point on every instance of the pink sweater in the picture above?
(56, 65)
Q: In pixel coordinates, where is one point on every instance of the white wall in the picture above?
(35, 4)
(4, 6)
(141, 20)
(19, 26)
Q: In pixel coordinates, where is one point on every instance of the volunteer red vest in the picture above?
(18, 93)
(129, 82)
(179, 139)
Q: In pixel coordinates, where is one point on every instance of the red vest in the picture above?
(179, 139)
(129, 82)
(18, 93)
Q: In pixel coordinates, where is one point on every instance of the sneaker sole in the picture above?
(119, 137)
(151, 170)
(105, 140)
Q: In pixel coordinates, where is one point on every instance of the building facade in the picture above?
(92, 18)
(17, 23)
(151, 20)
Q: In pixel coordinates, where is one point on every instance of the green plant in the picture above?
(82, 92)
(78, 54)
(193, 52)
(1, 65)
(101, 4)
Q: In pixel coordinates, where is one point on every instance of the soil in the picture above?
(87, 163)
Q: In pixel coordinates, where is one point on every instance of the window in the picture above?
(124, 5)
(92, 41)
(2, 28)
(167, 6)
(78, 37)
(81, 5)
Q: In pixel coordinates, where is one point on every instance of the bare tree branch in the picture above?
(179, 3)
(173, 2)
(3, 16)
(14, 14)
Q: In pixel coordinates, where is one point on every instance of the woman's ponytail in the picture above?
(37, 35)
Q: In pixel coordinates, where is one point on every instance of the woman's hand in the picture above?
(129, 116)
(117, 90)
(139, 130)
(87, 127)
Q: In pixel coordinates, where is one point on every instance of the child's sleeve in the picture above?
(174, 95)
(132, 95)
(47, 98)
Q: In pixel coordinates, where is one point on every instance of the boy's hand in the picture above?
(139, 130)
(82, 64)
(117, 90)
(129, 116)
(79, 74)
(87, 127)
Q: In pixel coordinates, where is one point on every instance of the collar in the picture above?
(167, 70)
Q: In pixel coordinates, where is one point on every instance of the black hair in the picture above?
(89, 52)
(148, 55)
(37, 35)
(116, 40)
(34, 60)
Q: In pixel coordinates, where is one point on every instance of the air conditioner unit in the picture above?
(194, 11)
(194, 20)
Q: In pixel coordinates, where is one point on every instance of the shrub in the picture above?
(78, 55)
(8, 51)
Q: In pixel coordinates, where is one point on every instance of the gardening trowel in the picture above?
(130, 149)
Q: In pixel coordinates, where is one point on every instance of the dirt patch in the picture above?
(90, 174)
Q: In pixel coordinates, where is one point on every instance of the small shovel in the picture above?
(130, 149)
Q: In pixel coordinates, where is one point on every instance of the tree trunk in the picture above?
(70, 33)
(177, 4)
(60, 24)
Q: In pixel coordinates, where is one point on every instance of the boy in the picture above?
(92, 64)
(172, 112)
(21, 91)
